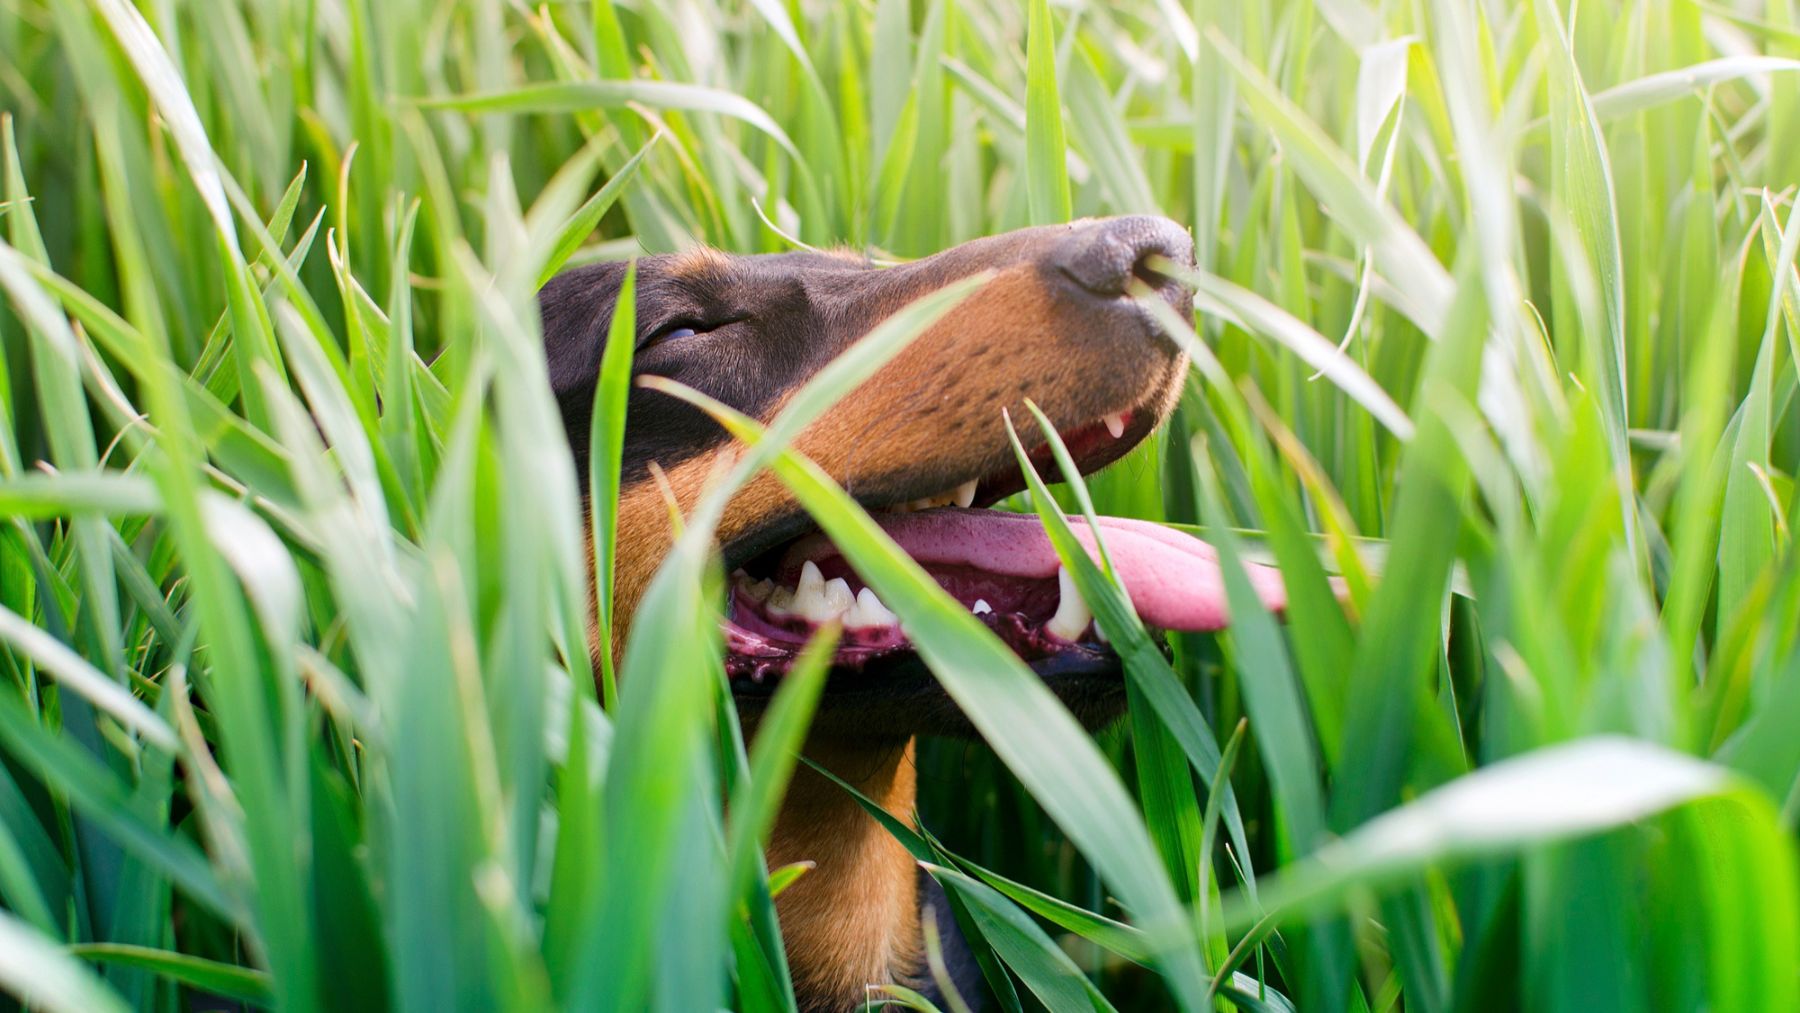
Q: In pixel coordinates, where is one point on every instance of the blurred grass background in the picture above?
(1498, 319)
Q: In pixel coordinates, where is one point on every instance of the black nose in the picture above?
(1105, 256)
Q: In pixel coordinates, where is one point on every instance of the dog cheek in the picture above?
(936, 410)
(645, 535)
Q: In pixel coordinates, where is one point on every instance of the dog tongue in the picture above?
(1174, 579)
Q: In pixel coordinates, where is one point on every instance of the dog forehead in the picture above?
(705, 263)
(703, 278)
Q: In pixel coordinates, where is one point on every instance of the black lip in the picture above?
(776, 532)
(896, 672)
(905, 699)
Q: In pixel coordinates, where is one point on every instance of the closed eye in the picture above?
(677, 330)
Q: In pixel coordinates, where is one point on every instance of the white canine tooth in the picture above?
(981, 607)
(868, 611)
(965, 493)
(812, 582)
(1072, 615)
(1115, 424)
(780, 602)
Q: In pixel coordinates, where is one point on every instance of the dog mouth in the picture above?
(998, 565)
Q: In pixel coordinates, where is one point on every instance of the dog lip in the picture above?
(761, 648)
(887, 676)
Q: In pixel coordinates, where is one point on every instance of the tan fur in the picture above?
(852, 921)
(699, 259)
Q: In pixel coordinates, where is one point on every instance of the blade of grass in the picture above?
(208, 975)
(581, 224)
(43, 976)
(1033, 955)
(1143, 661)
(606, 448)
(1046, 172)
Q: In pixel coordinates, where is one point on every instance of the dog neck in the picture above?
(852, 921)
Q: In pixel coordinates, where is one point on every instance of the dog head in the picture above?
(922, 443)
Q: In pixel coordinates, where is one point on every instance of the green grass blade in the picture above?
(580, 225)
(43, 976)
(73, 672)
(606, 447)
(208, 975)
(1152, 679)
(1033, 955)
(1047, 174)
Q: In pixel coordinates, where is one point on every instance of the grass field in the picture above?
(1498, 319)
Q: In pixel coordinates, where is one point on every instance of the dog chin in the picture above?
(902, 698)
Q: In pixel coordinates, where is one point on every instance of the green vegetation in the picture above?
(1498, 320)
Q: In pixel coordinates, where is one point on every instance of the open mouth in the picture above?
(1000, 566)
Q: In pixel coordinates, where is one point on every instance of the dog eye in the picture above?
(673, 332)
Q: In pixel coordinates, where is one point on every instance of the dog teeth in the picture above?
(780, 602)
(839, 599)
(756, 590)
(981, 607)
(817, 601)
(962, 496)
(868, 611)
(812, 582)
(1115, 424)
(1072, 615)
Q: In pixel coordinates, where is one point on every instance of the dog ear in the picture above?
(576, 309)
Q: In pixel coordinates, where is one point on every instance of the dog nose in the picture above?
(1104, 257)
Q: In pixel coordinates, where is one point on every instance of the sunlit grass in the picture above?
(1498, 323)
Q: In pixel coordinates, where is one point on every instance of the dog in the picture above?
(923, 446)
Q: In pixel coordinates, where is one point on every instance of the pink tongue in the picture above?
(1174, 579)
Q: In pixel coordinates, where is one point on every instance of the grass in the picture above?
(1498, 323)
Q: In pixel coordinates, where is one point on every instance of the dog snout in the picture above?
(1105, 257)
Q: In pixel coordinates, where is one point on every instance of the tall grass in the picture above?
(1498, 323)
